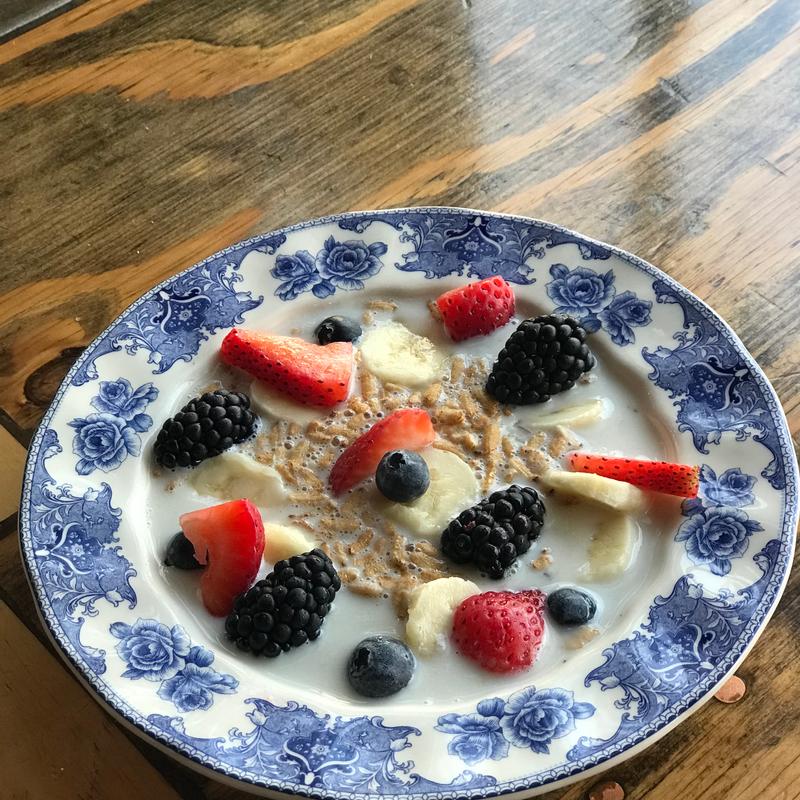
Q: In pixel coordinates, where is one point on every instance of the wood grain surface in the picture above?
(137, 137)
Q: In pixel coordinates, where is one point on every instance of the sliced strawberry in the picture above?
(501, 631)
(407, 429)
(682, 480)
(477, 308)
(230, 539)
(312, 374)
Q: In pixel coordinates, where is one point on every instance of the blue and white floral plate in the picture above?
(95, 570)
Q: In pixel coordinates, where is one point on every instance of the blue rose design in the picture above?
(732, 488)
(716, 535)
(580, 292)
(347, 265)
(297, 273)
(478, 736)
(150, 649)
(103, 441)
(193, 687)
(533, 718)
(625, 312)
(119, 399)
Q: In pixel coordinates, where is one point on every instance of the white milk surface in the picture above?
(631, 421)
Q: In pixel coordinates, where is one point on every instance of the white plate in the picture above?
(94, 521)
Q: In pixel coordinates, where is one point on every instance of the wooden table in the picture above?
(137, 137)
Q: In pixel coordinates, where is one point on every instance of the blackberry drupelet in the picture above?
(285, 609)
(203, 428)
(495, 532)
(543, 357)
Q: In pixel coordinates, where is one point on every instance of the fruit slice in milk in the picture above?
(612, 548)
(233, 475)
(453, 488)
(430, 612)
(394, 354)
(595, 489)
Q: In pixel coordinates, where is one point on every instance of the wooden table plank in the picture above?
(136, 137)
(11, 466)
(55, 741)
(85, 17)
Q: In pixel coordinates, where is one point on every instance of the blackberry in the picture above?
(285, 609)
(203, 428)
(544, 356)
(495, 532)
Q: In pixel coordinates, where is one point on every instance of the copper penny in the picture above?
(731, 691)
(608, 790)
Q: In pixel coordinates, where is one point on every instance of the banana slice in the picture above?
(277, 407)
(285, 541)
(611, 549)
(574, 416)
(230, 476)
(453, 488)
(606, 492)
(430, 612)
(393, 353)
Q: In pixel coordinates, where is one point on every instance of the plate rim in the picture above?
(207, 764)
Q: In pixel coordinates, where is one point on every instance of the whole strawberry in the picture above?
(477, 308)
(501, 631)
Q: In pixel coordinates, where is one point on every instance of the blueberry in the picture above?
(337, 329)
(380, 666)
(402, 476)
(180, 553)
(571, 606)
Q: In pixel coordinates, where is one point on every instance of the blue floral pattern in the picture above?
(592, 299)
(474, 245)
(534, 718)
(297, 273)
(714, 536)
(74, 545)
(529, 719)
(338, 265)
(477, 736)
(732, 488)
(154, 652)
(294, 745)
(717, 530)
(171, 323)
(714, 389)
(104, 440)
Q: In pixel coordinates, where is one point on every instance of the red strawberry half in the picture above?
(501, 631)
(230, 539)
(312, 374)
(682, 480)
(477, 308)
(407, 429)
